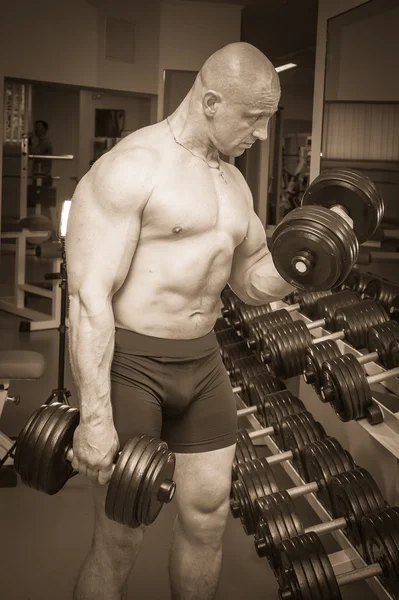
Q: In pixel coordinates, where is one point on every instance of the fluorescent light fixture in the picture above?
(286, 67)
(66, 205)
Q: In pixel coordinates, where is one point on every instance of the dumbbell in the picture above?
(381, 291)
(353, 494)
(233, 352)
(284, 347)
(357, 281)
(141, 479)
(307, 572)
(292, 433)
(220, 325)
(273, 407)
(253, 380)
(314, 247)
(245, 315)
(346, 387)
(379, 340)
(325, 309)
(320, 461)
(226, 337)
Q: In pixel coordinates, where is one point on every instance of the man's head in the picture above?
(41, 128)
(238, 90)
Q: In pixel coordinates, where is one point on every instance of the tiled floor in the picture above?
(44, 539)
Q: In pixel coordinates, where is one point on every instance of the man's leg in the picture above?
(202, 495)
(112, 554)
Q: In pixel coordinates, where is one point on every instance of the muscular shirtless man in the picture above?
(157, 228)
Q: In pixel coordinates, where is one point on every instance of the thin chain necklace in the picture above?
(219, 168)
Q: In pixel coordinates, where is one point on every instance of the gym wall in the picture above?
(63, 42)
(351, 80)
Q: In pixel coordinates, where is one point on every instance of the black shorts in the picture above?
(177, 390)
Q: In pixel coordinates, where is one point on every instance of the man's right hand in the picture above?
(94, 450)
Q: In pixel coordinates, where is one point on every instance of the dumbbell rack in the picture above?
(347, 558)
(373, 446)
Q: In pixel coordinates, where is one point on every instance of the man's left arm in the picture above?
(254, 278)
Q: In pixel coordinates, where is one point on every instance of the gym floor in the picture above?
(44, 539)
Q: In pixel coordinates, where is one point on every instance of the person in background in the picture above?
(40, 144)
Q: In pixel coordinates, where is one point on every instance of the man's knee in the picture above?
(205, 517)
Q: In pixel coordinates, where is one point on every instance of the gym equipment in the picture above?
(381, 291)
(273, 407)
(14, 364)
(226, 337)
(314, 247)
(305, 301)
(307, 572)
(354, 494)
(141, 480)
(245, 316)
(357, 281)
(321, 460)
(254, 380)
(346, 387)
(325, 308)
(284, 347)
(294, 434)
(379, 340)
(233, 352)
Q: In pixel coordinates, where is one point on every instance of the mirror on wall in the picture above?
(361, 109)
(52, 135)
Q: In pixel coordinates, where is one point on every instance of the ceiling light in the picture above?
(286, 67)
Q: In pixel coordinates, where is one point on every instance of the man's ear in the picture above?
(210, 102)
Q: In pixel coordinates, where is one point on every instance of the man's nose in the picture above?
(261, 132)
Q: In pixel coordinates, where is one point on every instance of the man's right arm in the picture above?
(103, 232)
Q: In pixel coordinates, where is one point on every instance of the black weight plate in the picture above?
(245, 365)
(322, 460)
(380, 532)
(255, 486)
(226, 337)
(250, 370)
(277, 520)
(132, 485)
(358, 196)
(327, 307)
(315, 356)
(344, 493)
(293, 571)
(334, 376)
(261, 386)
(355, 374)
(114, 499)
(33, 443)
(311, 232)
(233, 352)
(245, 450)
(379, 340)
(357, 281)
(161, 471)
(55, 469)
(307, 301)
(20, 452)
(280, 405)
(143, 476)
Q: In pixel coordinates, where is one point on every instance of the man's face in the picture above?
(238, 124)
(39, 130)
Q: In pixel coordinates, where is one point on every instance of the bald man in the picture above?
(157, 228)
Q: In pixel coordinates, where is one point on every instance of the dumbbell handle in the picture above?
(383, 376)
(69, 457)
(251, 410)
(327, 526)
(166, 489)
(373, 570)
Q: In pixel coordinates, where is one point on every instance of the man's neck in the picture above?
(190, 130)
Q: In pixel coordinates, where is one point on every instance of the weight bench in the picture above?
(15, 364)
